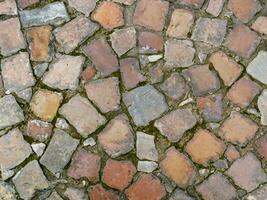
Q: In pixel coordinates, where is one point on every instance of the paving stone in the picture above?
(75, 194)
(179, 53)
(205, 147)
(17, 73)
(13, 149)
(260, 25)
(150, 42)
(180, 24)
(59, 151)
(258, 194)
(211, 31)
(54, 196)
(109, 15)
(73, 33)
(39, 40)
(217, 187)
(25, 94)
(248, 178)
(8, 7)
(144, 104)
(201, 79)
(26, 3)
(39, 130)
(118, 174)
(243, 92)
(97, 192)
(244, 9)
(64, 72)
(83, 6)
(261, 146)
(45, 104)
(242, 41)
(53, 14)
(10, 112)
(11, 37)
(179, 194)
(38, 148)
(226, 67)
(195, 3)
(211, 107)
(82, 115)
(156, 73)
(151, 14)
(232, 153)
(130, 73)
(145, 147)
(175, 87)
(147, 187)
(7, 192)
(40, 69)
(85, 164)
(104, 93)
(62, 124)
(29, 180)
(178, 168)
(117, 137)
(89, 73)
(257, 67)
(174, 124)
(102, 56)
(146, 166)
(215, 7)
(263, 107)
(89, 142)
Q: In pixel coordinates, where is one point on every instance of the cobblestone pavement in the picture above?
(133, 99)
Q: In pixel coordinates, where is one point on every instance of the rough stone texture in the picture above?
(109, 15)
(260, 25)
(215, 7)
(83, 6)
(54, 196)
(201, 79)
(261, 146)
(7, 192)
(150, 42)
(211, 31)
(178, 53)
(147, 187)
(82, 115)
(13, 149)
(248, 178)
(17, 72)
(205, 147)
(64, 72)
(179, 194)
(146, 166)
(29, 180)
(97, 192)
(195, 3)
(178, 168)
(243, 92)
(144, 104)
(242, 41)
(259, 194)
(104, 93)
(123, 40)
(227, 68)
(102, 56)
(53, 14)
(117, 137)
(26, 94)
(180, 24)
(174, 124)
(130, 73)
(232, 153)
(118, 174)
(125, 2)
(217, 187)
(145, 147)
(59, 151)
(26, 3)
(88, 73)
(39, 130)
(10, 112)
(8, 7)
(75, 194)
(85, 164)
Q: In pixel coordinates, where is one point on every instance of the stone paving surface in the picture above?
(133, 100)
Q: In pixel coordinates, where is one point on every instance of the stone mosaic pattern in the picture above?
(133, 100)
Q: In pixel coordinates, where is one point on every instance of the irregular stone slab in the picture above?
(8, 7)
(179, 53)
(98, 192)
(39, 130)
(10, 112)
(146, 166)
(179, 194)
(59, 151)
(145, 147)
(88, 74)
(11, 37)
(262, 105)
(174, 124)
(73, 193)
(104, 93)
(248, 178)
(64, 72)
(257, 68)
(211, 31)
(150, 42)
(261, 146)
(145, 104)
(7, 192)
(62, 124)
(26, 94)
(231, 153)
(26, 3)
(117, 137)
(17, 72)
(215, 7)
(194, 3)
(53, 14)
(83, 6)
(29, 180)
(217, 187)
(82, 115)
(259, 194)
(73, 33)
(38, 148)
(13, 149)
(260, 25)
(40, 69)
